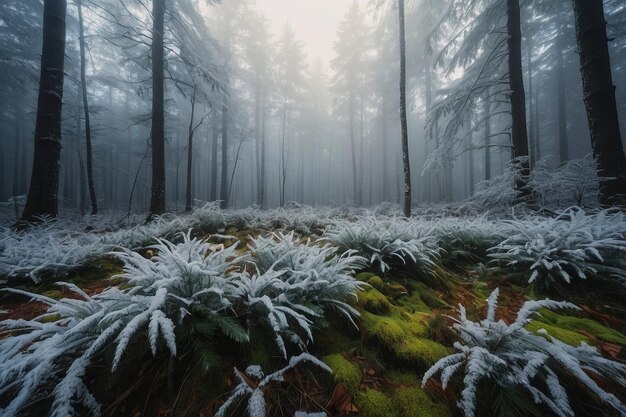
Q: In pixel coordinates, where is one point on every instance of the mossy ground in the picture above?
(403, 330)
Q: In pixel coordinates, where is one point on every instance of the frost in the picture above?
(515, 358)
(252, 385)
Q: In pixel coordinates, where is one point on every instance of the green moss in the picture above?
(376, 282)
(331, 339)
(386, 329)
(413, 302)
(414, 402)
(344, 371)
(596, 329)
(402, 333)
(364, 276)
(373, 403)
(420, 351)
(566, 336)
(581, 325)
(373, 301)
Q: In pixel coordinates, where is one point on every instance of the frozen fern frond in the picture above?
(296, 283)
(573, 245)
(254, 384)
(184, 283)
(384, 242)
(516, 359)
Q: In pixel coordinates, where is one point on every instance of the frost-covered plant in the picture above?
(499, 193)
(46, 247)
(383, 241)
(253, 385)
(573, 245)
(575, 183)
(296, 282)
(183, 282)
(517, 359)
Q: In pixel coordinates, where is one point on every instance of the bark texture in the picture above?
(42, 194)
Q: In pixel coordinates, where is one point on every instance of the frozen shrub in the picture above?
(382, 242)
(573, 245)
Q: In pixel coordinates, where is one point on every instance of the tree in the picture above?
(83, 81)
(157, 200)
(405, 135)
(349, 82)
(42, 194)
(599, 96)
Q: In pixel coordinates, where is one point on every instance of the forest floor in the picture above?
(403, 328)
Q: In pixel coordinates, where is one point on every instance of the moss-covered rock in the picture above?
(344, 371)
(373, 301)
(364, 276)
(420, 351)
(376, 282)
(373, 403)
(414, 402)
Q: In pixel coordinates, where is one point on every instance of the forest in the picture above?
(312, 208)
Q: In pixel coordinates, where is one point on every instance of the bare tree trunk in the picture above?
(262, 169)
(385, 152)
(283, 165)
(190, 152)
(257, 137)
(531, 122)
(224, 177)
(355, 178)
(157, 200)
(214, 143)
(83, 81)
(403, 121)
(563, 145)
(519, 134)
(471, 165)
(487, 111)
(599, 93)
(44, 185)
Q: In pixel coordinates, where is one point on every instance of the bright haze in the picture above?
(314, 21)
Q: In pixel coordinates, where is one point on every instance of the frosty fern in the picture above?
(515, 359)
(184, 284)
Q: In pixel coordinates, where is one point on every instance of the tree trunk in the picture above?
(262, 169)
(157, 200)
(384, 150)
(487, 110)
(257, 137)
(190, 152)
(471, 165)
(355, 179)
(563, 145)
(224, 177)
(42, 194)
(403, 121)
(519, 134)
(83, 81)
(531, 120)
(214, 143)
(599, 93)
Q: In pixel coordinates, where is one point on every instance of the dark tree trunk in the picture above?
(519, 134)
(257, 137)
(262, 169)
(471, 165)
(355, 178)
(599, 93)
(224, 177)
(42, 194)
(83, 81)
(563, 145)
(531, 119)
(214, 143)
(17, 172)
(487, 111)
(403, 122)
(384, 150)
(190, 152)
(157, 200)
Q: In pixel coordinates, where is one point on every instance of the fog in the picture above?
(288, 101)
